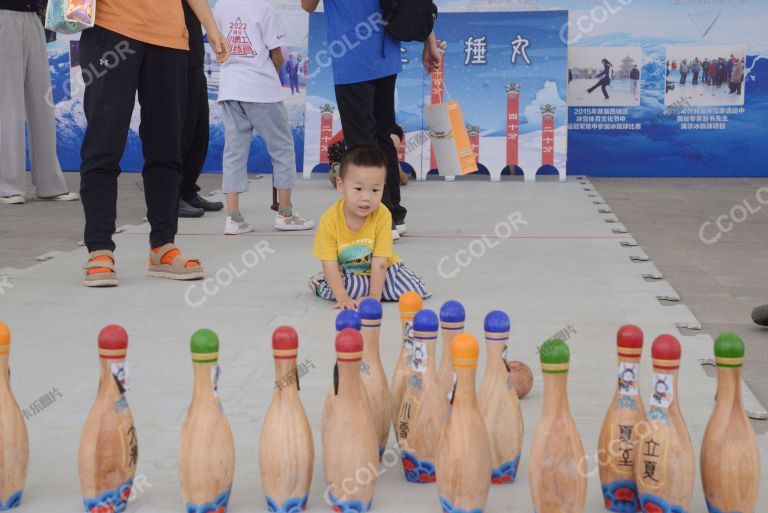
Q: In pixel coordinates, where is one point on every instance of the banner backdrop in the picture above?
(671, 121)
(67, 80)
(507, 71)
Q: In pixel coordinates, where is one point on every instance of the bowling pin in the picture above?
(499, 404)
(286, 450)
(372, 371)
(207, 449)
(109, 447)
(409, 304)
(451, 324)
(557, 470)
(617, 446)
(347, 319)
(664, 469)
(730, 457)
(464, 454)
(14, 442)
(350, 446)
(424, 409)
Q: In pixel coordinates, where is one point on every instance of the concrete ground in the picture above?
(572, 268)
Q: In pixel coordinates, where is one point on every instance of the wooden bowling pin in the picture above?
(499, 404)
(424, 409)
(207, 449)
(557, 470)
(664, 469)
(451, 324)
(617, 446)
(14, 442)
(730, 457)
(464, 454)
(350, 446)
(348, 319)
(286, 450)
(372, 371)
(409, 304)
(109, 447)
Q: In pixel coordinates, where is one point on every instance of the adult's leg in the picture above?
(110, 95)
(38, 100)
(384, 112)
(605, 91)
(12, 163)
(194, 146)
(163, 97)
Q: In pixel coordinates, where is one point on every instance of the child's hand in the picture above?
(346, 304)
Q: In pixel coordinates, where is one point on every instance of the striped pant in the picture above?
(399, 280)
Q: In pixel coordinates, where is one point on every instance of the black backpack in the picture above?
(409, 20)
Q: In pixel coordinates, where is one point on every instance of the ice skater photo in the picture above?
(705, 75)
(604, 76)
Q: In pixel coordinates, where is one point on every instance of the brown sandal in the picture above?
(100, 271)
(175, 270)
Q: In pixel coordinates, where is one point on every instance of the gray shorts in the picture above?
(271, 120)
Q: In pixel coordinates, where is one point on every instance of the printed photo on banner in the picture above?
(604, 76)
(705, 75)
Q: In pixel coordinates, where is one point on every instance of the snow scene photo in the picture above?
(604, 76)
(705, 75)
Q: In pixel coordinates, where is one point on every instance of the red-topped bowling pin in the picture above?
(109, 447)
(286, 450)
(350, 446)
(664, 469)
(617, 447)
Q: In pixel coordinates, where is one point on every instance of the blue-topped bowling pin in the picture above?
(451, 324)
(372, 371)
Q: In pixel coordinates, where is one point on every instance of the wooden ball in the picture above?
(522, 377)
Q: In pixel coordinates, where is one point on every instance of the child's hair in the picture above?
(362, 156)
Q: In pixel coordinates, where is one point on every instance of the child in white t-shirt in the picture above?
(251, 97)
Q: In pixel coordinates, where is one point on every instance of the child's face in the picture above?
(362, 188)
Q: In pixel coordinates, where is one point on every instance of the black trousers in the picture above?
(115, 68)
(602, 84)
(367, 111)
(194, 143)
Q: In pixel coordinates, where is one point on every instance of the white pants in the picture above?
(25, 95)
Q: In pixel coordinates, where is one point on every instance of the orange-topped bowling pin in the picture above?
(451, 324)
(617, 447)
(350, 446)
(409, 304)
(109, 447)
(286, 450)
(14, 442)
(499, 403)
(372, 371)
(730, 457)
(464, 453)
(664, 469)
(557, 470)
(207, 448)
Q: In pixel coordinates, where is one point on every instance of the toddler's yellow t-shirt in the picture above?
(354, 250)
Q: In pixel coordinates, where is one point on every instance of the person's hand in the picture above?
(346, 304)
(219, 46)
(431, 55)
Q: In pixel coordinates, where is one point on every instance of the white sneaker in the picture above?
(13, 200)
(395, 235)
(293, 223)
(67, 196)
(401, 229)
(231, 227)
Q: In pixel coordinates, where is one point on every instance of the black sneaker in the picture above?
(760, 315)
(209, 206)
(187, 210)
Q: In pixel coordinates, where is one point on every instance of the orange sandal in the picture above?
(100, 269)
(168, 262)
